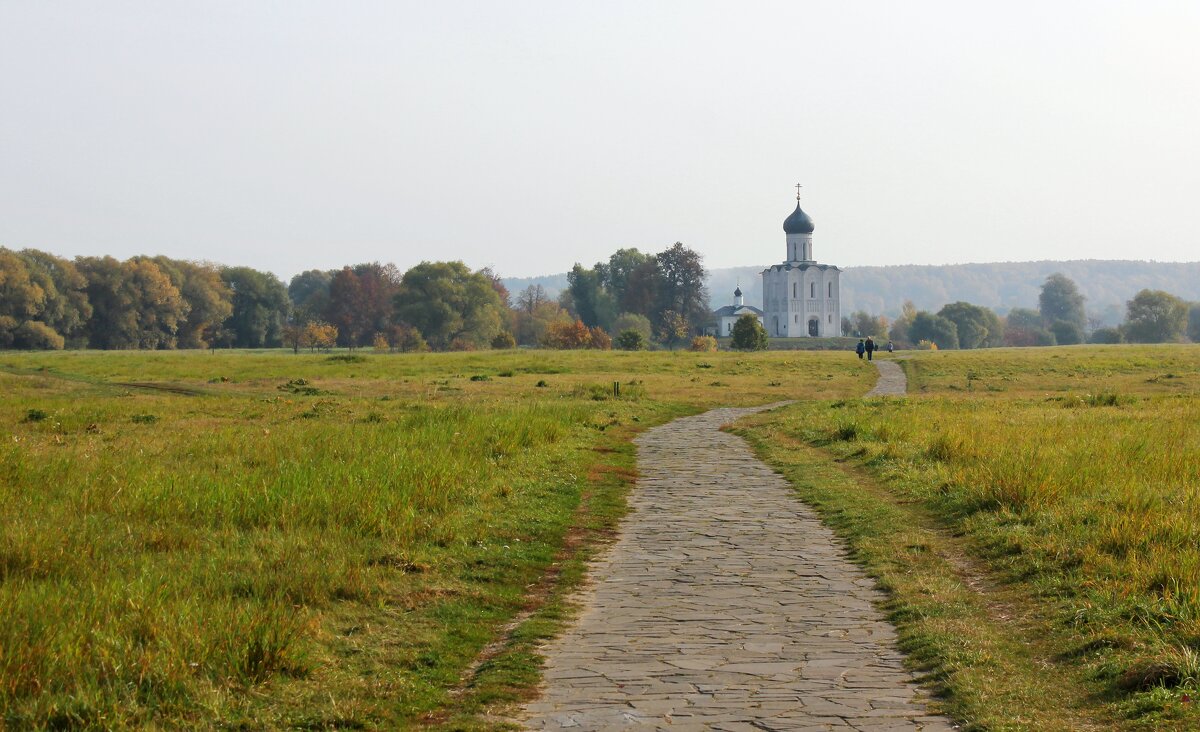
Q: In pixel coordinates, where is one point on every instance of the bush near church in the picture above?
(704, 344)
(749, 334)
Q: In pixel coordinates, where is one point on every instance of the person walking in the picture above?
(860, 348)
(890, 347)
(870, 347)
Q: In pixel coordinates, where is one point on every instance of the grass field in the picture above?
(268, 540)
(1036, 515)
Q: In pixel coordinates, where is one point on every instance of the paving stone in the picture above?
(726, 604)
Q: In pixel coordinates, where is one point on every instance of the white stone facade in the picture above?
(801, 298)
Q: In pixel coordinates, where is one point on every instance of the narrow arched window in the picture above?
(812, 289)
(830, 289)
(793, 290)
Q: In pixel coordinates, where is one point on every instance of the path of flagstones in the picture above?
(726, 605)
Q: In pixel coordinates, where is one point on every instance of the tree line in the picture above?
(1152, 316)
(48, 302)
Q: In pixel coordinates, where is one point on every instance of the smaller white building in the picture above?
(729, 314)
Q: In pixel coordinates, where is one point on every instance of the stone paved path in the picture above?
(725, 605)
(892, 381)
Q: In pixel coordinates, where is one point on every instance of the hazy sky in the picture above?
(531, 135)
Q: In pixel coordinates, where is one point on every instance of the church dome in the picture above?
(738, 291)
(798, 223)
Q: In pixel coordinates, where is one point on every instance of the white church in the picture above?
(801, 297)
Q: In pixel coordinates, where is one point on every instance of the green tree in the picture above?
(681, 288)
(617, 272)
(1193, 329)
(977, 327)
(446, 302)
(749, 334)
(587, 298)
(1154, 316)
(641, 288)
(260, 308)
(933, 328)
(309, 293)
(1060, 301)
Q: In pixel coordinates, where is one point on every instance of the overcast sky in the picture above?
(531, 135)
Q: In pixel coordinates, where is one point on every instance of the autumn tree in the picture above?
(673, 329)
(534, 312)
(209, 299)
(65, 308)
(567, 335)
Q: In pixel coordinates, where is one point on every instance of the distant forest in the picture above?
(1107, 285)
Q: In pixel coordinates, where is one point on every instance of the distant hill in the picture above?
(1107, 284)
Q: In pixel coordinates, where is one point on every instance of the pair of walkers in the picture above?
(867, 347)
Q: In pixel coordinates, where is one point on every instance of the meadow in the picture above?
(266, 540)
(1035, 515)
(261, 540)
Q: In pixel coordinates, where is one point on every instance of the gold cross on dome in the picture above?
(797, 191)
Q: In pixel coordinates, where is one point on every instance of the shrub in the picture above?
(704, 344)
(380, 343)
(633, 321)
(1106, 335)
(749, 334)
(37, 336)
(504, 341)
(566, 335)
(601, 341)
(1066, 333)
(631, 340)
(462, 344)
(407, 339)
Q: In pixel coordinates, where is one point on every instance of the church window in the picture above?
(831, 289)
(793, 289)
(812, 289)
(795, 318)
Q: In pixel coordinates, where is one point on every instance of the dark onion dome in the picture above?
(738, 291)
(798, 222)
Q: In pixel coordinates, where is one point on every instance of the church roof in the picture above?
(730, 310)
(798, 223)
(788, 266)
